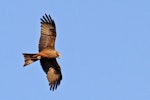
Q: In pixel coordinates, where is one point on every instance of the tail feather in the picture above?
(30, 58)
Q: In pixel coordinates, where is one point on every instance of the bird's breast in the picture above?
(48, 54)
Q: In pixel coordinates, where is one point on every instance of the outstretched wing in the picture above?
(47, 41)
(48, 33)
(53, 70)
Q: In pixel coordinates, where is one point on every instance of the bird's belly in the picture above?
(47, 54)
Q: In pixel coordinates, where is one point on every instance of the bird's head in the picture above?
(58, 54)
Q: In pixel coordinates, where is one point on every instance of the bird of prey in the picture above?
(47, 54)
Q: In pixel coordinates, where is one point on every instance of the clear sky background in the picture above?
(105, 48)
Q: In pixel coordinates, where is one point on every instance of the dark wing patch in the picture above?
(52, 63)
(48, 33)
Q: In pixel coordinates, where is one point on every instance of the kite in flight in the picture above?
(47, 54)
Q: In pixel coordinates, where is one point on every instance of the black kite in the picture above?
(47, 54)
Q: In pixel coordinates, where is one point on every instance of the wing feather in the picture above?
(53, 78)
(48, 18)
(48, 33)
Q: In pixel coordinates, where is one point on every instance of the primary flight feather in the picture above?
(47, 54)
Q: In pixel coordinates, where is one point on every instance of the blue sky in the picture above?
(104, 44)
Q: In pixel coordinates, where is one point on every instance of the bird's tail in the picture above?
(30, 58)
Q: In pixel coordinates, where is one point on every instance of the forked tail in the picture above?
(30, 58)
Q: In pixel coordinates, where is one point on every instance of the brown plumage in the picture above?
(47, 54)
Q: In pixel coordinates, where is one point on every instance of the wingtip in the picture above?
(46, 19)
(45, 14)
(24, 65)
